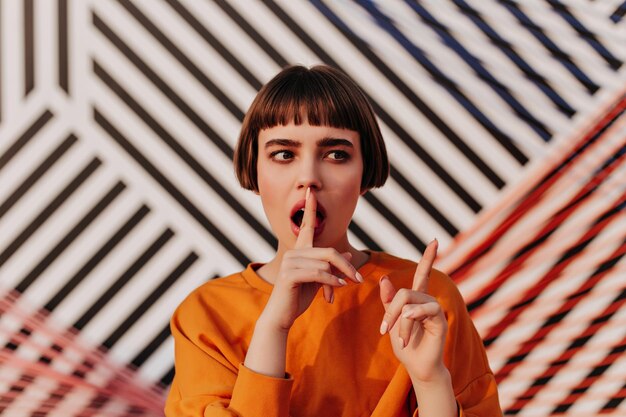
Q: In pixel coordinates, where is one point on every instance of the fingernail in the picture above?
(406, 315)
(383, 277)
(359, 277)
(308, 193)
(332, 298)
(383, 327)
(342, 281)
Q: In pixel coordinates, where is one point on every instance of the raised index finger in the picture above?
(425, 265)
(307, 227)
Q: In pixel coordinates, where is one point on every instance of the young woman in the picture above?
(324, 329)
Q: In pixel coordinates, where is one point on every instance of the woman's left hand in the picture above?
(415, 322)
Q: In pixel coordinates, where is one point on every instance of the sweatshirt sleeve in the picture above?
(208, 382)
(473, 381)
(481, 398)
(478, 399)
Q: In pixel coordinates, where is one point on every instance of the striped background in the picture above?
(506, 130)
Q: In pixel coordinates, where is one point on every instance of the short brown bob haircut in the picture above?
(323, 96)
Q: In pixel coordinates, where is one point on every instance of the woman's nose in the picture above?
(309, 176)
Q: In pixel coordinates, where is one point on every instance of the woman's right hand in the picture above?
(303, 270)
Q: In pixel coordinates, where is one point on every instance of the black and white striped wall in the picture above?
(118, 121)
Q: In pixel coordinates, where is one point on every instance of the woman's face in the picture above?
(294, 157)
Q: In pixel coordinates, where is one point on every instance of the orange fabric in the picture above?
(338, 364)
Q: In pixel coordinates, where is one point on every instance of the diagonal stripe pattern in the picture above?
(506, 132)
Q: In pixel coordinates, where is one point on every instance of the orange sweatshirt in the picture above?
(338, 364)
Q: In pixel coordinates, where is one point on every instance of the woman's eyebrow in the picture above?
(283, 142)
(331, 142)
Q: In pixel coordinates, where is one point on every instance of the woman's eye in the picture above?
(281, 155)
(338, 155)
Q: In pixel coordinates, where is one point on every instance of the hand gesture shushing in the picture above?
(304, 269)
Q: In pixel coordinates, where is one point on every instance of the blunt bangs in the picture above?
(306, 97)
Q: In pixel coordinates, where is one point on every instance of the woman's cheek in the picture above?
(270, 200)
(349, 195)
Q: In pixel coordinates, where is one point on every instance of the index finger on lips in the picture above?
(307, 227)
(425, 265)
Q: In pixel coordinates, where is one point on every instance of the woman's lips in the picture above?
(300, 205)
(320, 219)
(319, 227)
